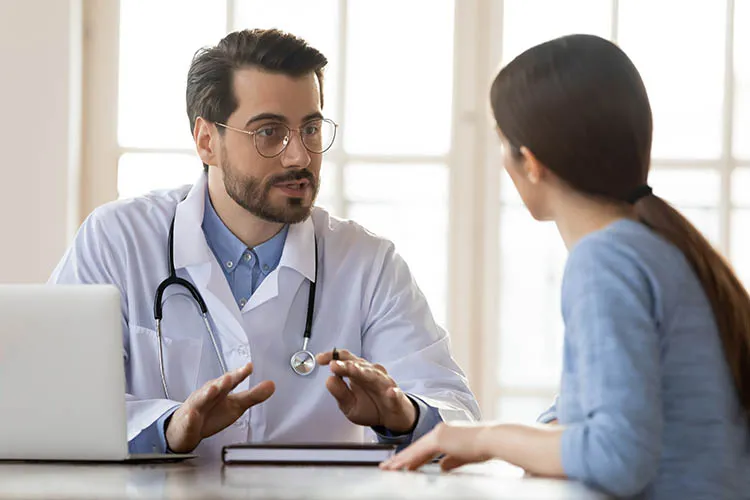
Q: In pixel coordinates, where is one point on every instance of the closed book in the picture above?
(308, 453)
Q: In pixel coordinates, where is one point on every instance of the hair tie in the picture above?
(640, 192)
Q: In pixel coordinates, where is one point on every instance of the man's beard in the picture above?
(254, 196)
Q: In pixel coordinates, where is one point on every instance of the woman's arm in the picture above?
(534, 448)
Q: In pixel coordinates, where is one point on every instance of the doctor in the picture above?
(278, 279)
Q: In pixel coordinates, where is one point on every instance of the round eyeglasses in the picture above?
(271, 139)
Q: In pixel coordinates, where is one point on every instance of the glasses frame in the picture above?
(287, 137)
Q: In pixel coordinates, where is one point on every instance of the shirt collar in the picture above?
(224, 244)
(229, 249)
(190, 248)
(269, 252)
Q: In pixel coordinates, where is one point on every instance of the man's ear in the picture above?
(205, 136)
(533, 168)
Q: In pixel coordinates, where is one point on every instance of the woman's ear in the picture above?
(533, 168)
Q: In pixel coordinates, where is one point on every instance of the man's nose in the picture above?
(295, 154)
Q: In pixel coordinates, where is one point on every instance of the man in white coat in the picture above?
(247, 236)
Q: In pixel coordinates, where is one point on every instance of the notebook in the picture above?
(308, 454)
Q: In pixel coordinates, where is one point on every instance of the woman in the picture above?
(655, 392)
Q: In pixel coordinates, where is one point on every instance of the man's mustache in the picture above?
(295, 175)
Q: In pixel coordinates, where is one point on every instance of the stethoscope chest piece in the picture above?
(303, 362)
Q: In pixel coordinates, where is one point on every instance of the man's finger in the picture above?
(203, 399)
(227, 382)
(423, 451)
(341, 392)
(207, 396)
(237, 376)
(253, 396)
(364, 375)
(380, 368)
(325, 358)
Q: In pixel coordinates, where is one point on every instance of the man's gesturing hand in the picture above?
(212, 408)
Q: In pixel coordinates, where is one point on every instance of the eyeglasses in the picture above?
(272, 139)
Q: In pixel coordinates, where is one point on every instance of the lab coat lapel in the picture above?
(275, 297)
(299, 255)
(299, 249)
(192, 253)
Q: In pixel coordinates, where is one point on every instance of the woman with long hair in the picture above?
(654, 399)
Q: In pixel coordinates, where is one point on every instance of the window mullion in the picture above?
(230, 16)
(615, 28)
(341, 204)
(727, 163)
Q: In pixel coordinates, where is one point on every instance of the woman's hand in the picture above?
(461, 443)
(533, 448)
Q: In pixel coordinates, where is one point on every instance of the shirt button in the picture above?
(265, 268)
(243, 351)
(247, 257)
(229, 264)
(242, 302)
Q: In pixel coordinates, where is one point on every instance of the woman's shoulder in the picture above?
(629, 257)
(628, 245)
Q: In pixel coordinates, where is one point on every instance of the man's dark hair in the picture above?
(210, 93)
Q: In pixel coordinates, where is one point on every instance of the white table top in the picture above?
(196, 479)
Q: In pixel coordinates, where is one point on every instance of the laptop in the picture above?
(62, 376)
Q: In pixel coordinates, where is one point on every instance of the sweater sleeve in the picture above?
(613, 343)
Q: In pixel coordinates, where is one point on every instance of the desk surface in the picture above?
(195, 479)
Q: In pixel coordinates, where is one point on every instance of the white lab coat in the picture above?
(367, 302)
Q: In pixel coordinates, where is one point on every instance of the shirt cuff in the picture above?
(549, 414)
(161, 426)
(152, 439)
(427, 418)
(571, 444)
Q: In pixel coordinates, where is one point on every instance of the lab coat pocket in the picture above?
(181, 364)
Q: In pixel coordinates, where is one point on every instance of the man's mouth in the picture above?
(293, 188)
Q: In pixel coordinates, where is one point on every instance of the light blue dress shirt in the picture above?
(646, 397)
(245, 269)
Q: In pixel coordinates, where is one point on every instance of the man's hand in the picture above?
(212, 408)
(372, 397)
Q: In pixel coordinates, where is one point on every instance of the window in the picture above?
(417, 161)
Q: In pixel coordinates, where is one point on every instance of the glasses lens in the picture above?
(270, 139)
(318, 135)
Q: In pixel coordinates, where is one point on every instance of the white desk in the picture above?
(194, 479)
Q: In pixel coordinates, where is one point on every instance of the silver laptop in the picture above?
(62, 377)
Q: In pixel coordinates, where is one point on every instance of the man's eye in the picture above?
(267, 131)
(311, 130)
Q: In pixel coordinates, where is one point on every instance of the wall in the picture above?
(40, 134)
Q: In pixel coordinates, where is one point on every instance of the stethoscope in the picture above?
(302, 362)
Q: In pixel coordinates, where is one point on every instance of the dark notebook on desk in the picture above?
(308, 454)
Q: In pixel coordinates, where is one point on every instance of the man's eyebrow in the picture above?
(313, 116)
(281, 118)
(267, 116)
